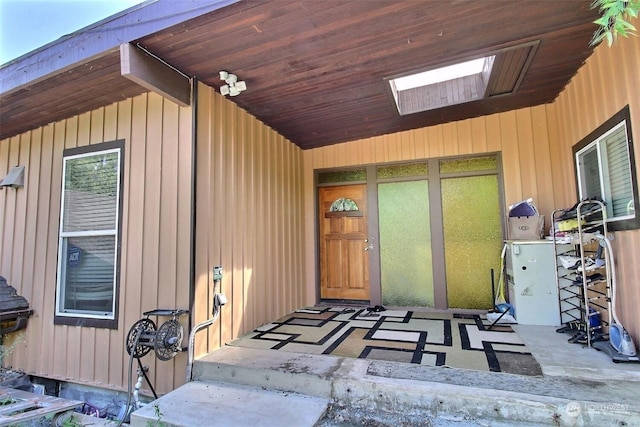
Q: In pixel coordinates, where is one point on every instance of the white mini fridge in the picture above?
(531, 281)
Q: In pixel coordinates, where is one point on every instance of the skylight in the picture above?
(438, 75)
(449, 85)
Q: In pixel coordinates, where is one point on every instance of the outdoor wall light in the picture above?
(233, 87)
(14, 179)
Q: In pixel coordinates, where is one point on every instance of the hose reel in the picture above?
(166, 341)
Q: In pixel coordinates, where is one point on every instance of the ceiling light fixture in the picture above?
(233, 87)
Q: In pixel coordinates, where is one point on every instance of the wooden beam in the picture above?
(155, 75)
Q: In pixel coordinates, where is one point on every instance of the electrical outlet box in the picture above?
(220, 300)
(217, 272)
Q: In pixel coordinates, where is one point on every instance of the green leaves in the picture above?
(614, 20)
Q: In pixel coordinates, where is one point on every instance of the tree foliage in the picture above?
(96, 174)
(614, 19)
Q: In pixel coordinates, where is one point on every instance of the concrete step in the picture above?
(357, 390)
(211, 404)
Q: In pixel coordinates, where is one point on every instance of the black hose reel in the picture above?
(166, 341)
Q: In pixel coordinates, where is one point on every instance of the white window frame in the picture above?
(85, 317)
(595, 143)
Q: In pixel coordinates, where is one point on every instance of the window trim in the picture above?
(80, 319)
(621, 116)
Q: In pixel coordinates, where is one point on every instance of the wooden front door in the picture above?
(344, 246)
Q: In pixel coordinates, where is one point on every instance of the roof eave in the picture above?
(99, 39)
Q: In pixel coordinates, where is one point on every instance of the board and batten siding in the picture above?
(155, 239)
(249, 219)
(609, 80)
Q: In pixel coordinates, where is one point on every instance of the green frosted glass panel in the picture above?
(472, 239)
(469, 165)
(400, 171)
(342, 176)
(405, 244)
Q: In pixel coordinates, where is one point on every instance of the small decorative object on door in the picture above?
(525, 223)
(343, 204)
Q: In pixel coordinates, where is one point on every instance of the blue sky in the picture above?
(26, 25)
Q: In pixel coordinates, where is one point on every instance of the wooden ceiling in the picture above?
(316, 70)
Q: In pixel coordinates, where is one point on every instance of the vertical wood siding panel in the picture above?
(236, 221)
(9, 210)
(394, 147)
(132, 282)
(378, 148)
(4, 169)
(494, 137)
(421, 141)
(96, 126)
(71, 132)
(556, 170)
(56, 340)
(203, 178)
(168, 230)
(183, 240)
(22, 278)
(408, 145)
(628, 297)
(541, 152)
(83, 130)
(478, 135)
(151, 286)
(117, 370)
(262, 228)
(511, 158)
(168, 225)
(151, 220)
(436, 148)
(217, 209)
(110, 122)
(45, 233)
(526, 155)
(250, 256)
(19, 221)
(227, 211)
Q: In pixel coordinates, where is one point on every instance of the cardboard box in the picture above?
(526, 227)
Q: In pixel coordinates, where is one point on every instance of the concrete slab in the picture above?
(218, 404)
(559, 358)
(310, 374)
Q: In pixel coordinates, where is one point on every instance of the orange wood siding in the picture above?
(155, 238)
(249, 215)
(604, 85)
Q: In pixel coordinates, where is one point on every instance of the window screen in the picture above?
(606, 170)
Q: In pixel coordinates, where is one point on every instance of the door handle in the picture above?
(369, 246)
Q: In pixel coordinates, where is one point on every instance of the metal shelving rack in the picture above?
(584, 295)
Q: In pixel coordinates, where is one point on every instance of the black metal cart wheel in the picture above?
(168, 340)
(139, 337)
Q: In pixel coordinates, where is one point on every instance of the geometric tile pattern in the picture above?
(426, 338)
